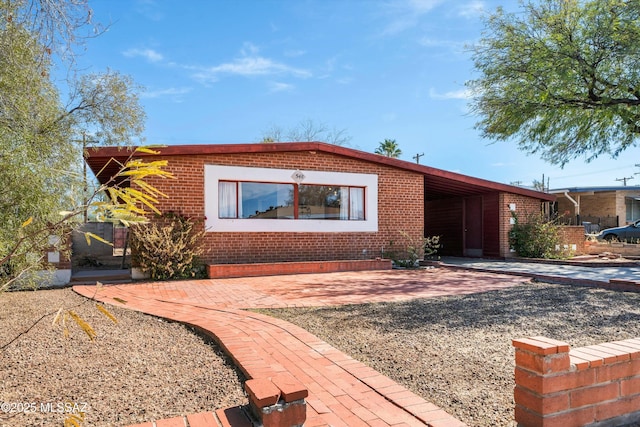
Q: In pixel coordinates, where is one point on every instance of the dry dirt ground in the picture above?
(456, 351)
(139, 369)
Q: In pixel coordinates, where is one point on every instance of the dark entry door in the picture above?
(473, 226)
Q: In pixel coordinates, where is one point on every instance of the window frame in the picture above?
(238, 199)
(221, 173)
(348, 187)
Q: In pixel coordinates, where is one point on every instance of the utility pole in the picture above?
(624, 180)
(85, 189)
(417, 157)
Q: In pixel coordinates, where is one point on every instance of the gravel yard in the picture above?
(453, 351)
(140, 369)
(456, 351)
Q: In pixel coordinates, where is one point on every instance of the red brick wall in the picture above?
(525, 206)
(400, 199)
(491, 225)
(573, 235)
(563, 387)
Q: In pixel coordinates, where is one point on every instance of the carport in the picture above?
(473, 216)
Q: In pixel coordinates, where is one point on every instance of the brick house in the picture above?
(311, 201)
(603, 207)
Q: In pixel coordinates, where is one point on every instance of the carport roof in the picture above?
(439, 184)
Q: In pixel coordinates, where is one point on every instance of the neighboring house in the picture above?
(311, 201)
(602, 207)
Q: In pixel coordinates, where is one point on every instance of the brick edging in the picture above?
(602, 264)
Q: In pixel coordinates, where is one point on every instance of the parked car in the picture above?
(627, 233)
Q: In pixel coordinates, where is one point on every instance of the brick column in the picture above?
(540, 390)
(278, 401)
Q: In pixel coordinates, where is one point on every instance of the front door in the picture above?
(473, 226)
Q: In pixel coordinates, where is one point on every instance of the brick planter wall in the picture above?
(624, 249)
(563, 387)
(219, 271)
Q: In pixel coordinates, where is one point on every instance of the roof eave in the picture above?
(100, 155)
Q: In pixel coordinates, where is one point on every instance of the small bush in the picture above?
(536, 237)
(408, 252)
(168, 248)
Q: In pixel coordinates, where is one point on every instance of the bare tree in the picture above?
(306, 131)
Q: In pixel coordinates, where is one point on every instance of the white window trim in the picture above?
(214, 173)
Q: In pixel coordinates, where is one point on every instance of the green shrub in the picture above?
(536, 237)
(168, 248)
(408, 252)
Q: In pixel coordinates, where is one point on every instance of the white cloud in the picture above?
(172, 91)
(405, 14)
(295, 53)
(454, 94)
(249, 64)
(150, 10)
(248, 49)
(448, 44)
(254, 66)
(332, 65)
(472, 9)
(422, 6)
(149, 54)
(280, 87)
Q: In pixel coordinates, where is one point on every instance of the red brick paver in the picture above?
(342, 391)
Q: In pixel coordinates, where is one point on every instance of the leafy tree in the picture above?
(562, 77)
(39, 157)
(389, 148)
(59, 27)
(107, 105)
(23, 252)
(307, 131)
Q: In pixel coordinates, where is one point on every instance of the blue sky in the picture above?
(226, 71)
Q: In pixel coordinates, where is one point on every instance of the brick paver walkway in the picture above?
(342, 391)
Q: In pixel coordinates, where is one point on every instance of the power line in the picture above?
(561, 177)
(624, 180)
